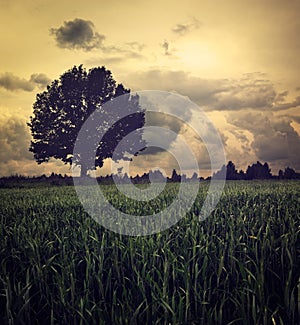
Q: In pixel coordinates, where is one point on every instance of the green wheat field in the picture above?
(239, 266)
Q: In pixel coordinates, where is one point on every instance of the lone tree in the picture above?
(60, 111)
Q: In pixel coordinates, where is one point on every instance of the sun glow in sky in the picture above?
(198, 56)
(238, 60)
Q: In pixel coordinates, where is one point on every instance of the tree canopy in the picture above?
(60, 112)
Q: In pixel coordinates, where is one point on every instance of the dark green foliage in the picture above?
(60, 111)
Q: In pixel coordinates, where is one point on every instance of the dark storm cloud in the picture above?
(77, 34)
(11, 82)
(183, 28)
(274, 138)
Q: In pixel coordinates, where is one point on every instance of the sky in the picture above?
(237, 60)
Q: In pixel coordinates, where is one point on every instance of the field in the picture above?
(239, 266)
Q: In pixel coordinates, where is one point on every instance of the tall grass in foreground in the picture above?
(240, 266)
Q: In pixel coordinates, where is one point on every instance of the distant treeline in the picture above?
(21, 181)
(256, 171)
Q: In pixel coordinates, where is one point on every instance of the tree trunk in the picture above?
(83, 171)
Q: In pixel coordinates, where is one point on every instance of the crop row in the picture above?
(239, 266)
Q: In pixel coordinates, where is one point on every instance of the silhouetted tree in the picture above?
(258, 171)
(60, 111)
(144, 179)
(219, 174)
(242, 174)
(231, 172)
(194, 177)
(267, 171)
(289, 173)
(183, 178)
(175, 177)
(156, 176)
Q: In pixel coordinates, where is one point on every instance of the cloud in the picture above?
(135, 46)
(197, 89)
(131, 50)
(165, 46)
(240, 136)
(295, 118)
(77, 34)
(281, 96)
(274, 138)
(176, 120)
(184, 28)
(40, 79)
(166, 126)
(15, 157)
(168, 159)
(252, 91)
(11, 82)
(117, 54)
(164, 120)
(179, 29)
(255, 126)
(247, 92)
(31, 168)
(14, 140)
(285, 106)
